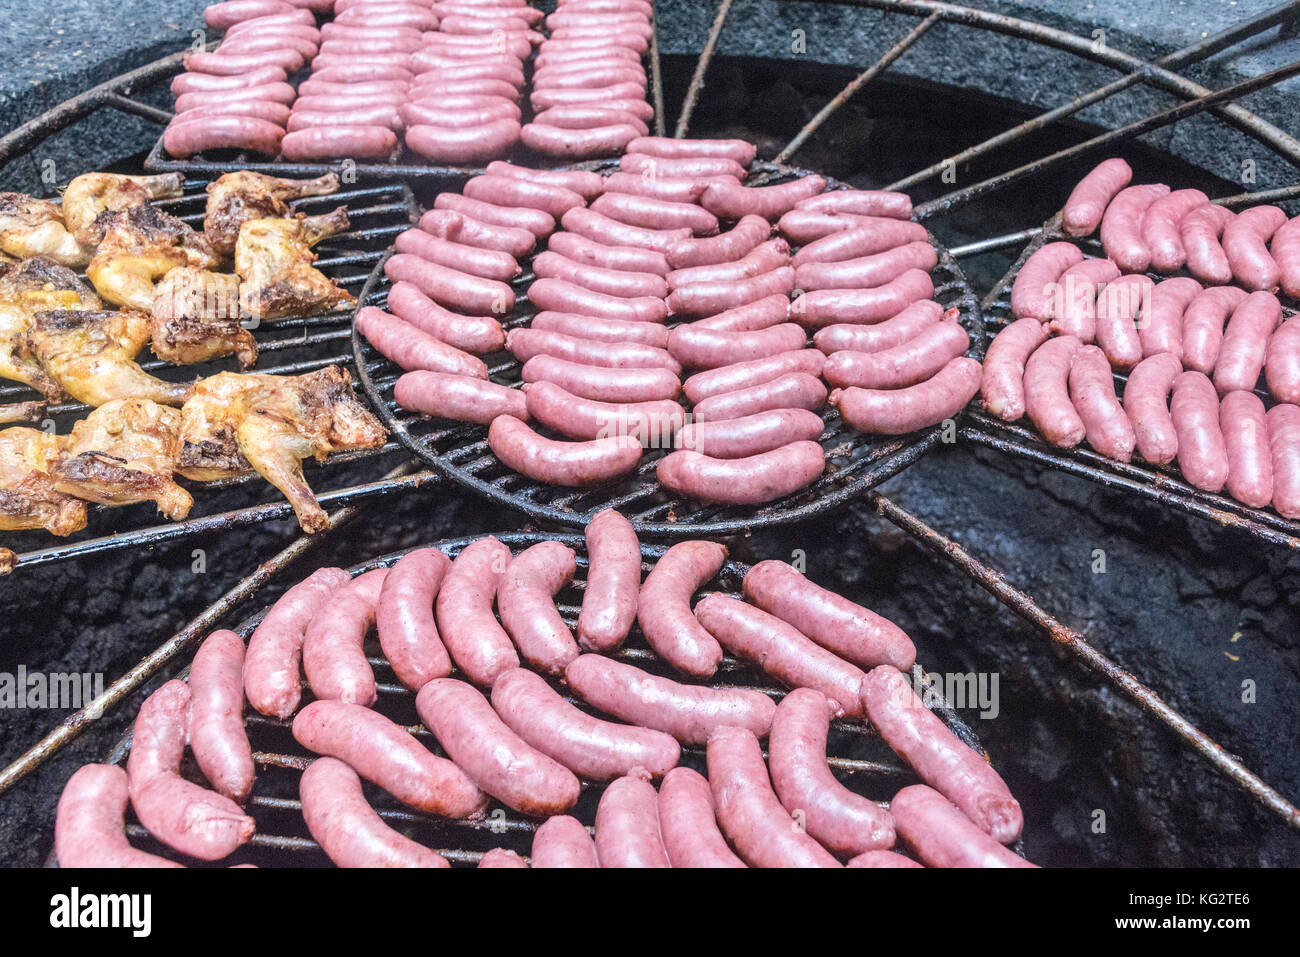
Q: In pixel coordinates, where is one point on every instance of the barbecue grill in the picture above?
(947, 215)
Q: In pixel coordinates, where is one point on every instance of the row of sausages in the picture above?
(525, 744)
(1150, 226)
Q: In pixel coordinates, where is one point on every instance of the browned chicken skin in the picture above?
(140, 246)
(28, 497)
(34, 227)
(89, 196)
(124, 452)
(36, 285)
(195, 318)
(236, 198)
(21, 412)
(274, 260)
(233, 423)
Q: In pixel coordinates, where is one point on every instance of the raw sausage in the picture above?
(217, 735)
(627, 824)
(664, 607)
(899, 411)
(688, 822)
(404, 619)
(526, 603)
(469, 628)
(572, 464)
(609, 600)
(751, 480)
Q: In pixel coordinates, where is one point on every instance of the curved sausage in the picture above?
(404, 618)
(1037, 285)
(1002, 383)
(623, 258)
(609, 600)
(497, 759)
(1199, 233)
(712, 348)
(748, 810)
(1092, 390)
(745, 375)
(600, 228)
(1160, 227)
(1245, 437)
(942, 836)
(562, 841)
(451, 287)
(854, 633)
(217, 735)
(536, 221)
(486, 263)
(577, 144)
(571, 464)
(603, 384)
(466, 229)
(222, 16)
(742, 151)
(866, 271)
(771, 202)
(689, 824)
(183, 139)
(1282, 362)
(664, 607)
(458, 397)
(751, 435)
(479, 335)
(652, 424)
(1047, 396)
(1121, 226)
(750, 317)
(679, 189)
(894, 331)
(899, 411)
(843, 822)
(543, 100)
(902, 365)
(762, 258)
(727, 246)
(332, 654)
(827, 306)
(271, 663)
(688, 712)
(602, 330)
(587, 118)
(938, 756)
(793, 390)
(861, 202)
(711, 298)
(334, 142)
(503, 190)
(1203, 324)
(627, 824)
(653, 166)
(440, 116)
(1146, 402)
(524, 343)
(90, 824)
(1202, 455)
(1081, 288)
(751, 480)
(1088, 200)
(1245, 342)
(1118, 308)
(469, 628)
(347, 828)
(526, 603)
(557, 295)
(1245, 243)
(1284, 442)
(656, 213)
(200, 82)
(1162, 325)
(609, 282)
(854, 237)
(1285, 250)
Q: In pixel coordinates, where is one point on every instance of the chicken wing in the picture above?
(33, 286)
(124, 452)
(195, 317)
(92, 356)
(92, 194)
(21, 412)
(34, 227)
(28, 498)
(273, 258)
(233, 423)
(140, 246)
(236, 198)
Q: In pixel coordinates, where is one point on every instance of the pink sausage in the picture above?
(752, 316)
(1285, 249)
(222, 16)
(500, 857)
(792, 390)
(600, 228)
(882, 859)
(861, 202)
(562, 841)
(761, 259)
(504, 71)
(385, 754)
(451, 287)
(332, 654)
(1162, 326)
(347, 828)
(601, 330)
(843, 822)
(333, 142)
(725, 247)
(1121, 227)
(882, 335)
(1245, 438)
(689, 823)
(711, 298)
(304, 44)
(408, 633)
(1092, 390)
(1047, 396)
(711, 348)
(201, 82)
(678, 189)
(1146, 402)
(609, 282)
(685, 166)
(938, 756)
(1199, 233)
(899, 411)
(369, 115)
(543, 100)
(1245, 243)
(603, 384)
(229, 64)
(335, 69)
(1202, 455)
(751, 480)
(458, 397)
(510, 191)
(1282, 362)
(183, 139)
(828, 306)
(585, 75)
(217, 735)
(181, 814)
(469, 628)
(1284, 442)
(526, 604)
(1002, 384)
(1203, 323)
(277, 114)
(571, 464)
(343, 106)
(856, 634)
(90, 824)
(806, 226)
(493, 756)
(751, 434)
(525, 343)
(902, 365)
(609, 601)
(623, 258)
(412, 348)
(688, 712)
(487, 263)
(748, 810)
(1079, 290)
(856, 237)
(477, 334)
(942, 836)
(656, 213)
(741, 151)
(1118, 307)
(463, 145)
(867, 271)
(464, 228)
(271, 664)
(771, 202)
(1037, 284)
(431, 89)
(627, 824)
(593, 749)
(557, 295)
(583, 182)
(537, 222)
(587, 118)
(664, 607)
(1160, 228)
(1088, 201)
(1245, 342)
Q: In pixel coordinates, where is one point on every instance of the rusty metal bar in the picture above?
(701, 67)
(657, 80)
(1077, 646)
(124, 103)
(1164, 118)
(1005, 241)
(856, 84)
(1280, 195)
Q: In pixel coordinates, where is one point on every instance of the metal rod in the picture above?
(1004, 241)
(657, 80)
(701, 67)
(1280, 195)
(856, 84)
(1074, 643)
(1190, 54)
(128, 105)
(184, 640)
(1164, 118)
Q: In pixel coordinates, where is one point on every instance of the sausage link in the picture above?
(1202, 455)
(562, 841)
(603, 384)
(793, 390)
(679, 189)
(1203, 324)
(524, 343)
(647, 212)
(741, 151)
(601, 330)
(404, 618)
(1284, 442)
(627, 824)
(557, 295)
(1047, 395)
(536, 221)
(451, 287)
(571, 464)
(750, 317)
(1118, 309)
(486, 263)
(1285, 250)
(335, 142)
(332, 654)
(712, 348)
(827, 306)
(902, 365)
(711, 298)
(1037, 284)
(756, 372)
(689, 824)
(531, 194)
(1282, 362)
(664, 607)
(1245, 243)
(942, 836)
(1002, 384)
(217, 735)
(899, 411)
(463, 228)
(413, 348)
(866, 271)
(1088, 200)
(855, 237)
(600, 228)
(1160, 228)
(727, 246)
(652, 424)
(622, 258)
(1199, 233)
(1162, 326)
(526, 604)
(893, 331)
(1146, 402)
(1081, 288)
(861, 202)
(475, 334)
(90, 823)
(470, 631)
(1121, 226)
(1245, 342)
(771, 202)
(1245, 439)
(751, 480)
(1092, 390)
(751, 434)
(458, 397)
(609, 601)
(653, 166)
(183, 138)
(608, 282)
(763, 258)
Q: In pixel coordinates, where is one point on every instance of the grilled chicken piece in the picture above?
(234, 423)
(140, 246)
(21, 412)
(124, 452)
(273, 258)
(92, 356)
(28, 498)
(195, 318)
(34, 286)
(236, 198)
(34, 227)
(90, 195)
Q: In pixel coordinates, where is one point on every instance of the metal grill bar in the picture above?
(701, 68)
(656, 79)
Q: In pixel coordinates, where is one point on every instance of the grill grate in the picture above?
(855, 462)
(856, 752)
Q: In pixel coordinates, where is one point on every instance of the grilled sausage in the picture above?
(1203, 324)
(1285, 250)
(479, 335)
(1199, 232)
(572, 464)
(1088, 200)
(1081, 288)
(1282, 362)
(1118, 308)
(451, 287)
(679, 189)
(525, 602)
(469, 628)
(896, 330)
(90, 824)
(562, 841)
(404, 618)
(557, 295)
(652, 424)
(725, 247)
(663, 607)
(771, 202)
(756, 372)
(602, 330)
(627, 824)
(502, 190)
(609, 601)
(466, 229)
(1092, 390)
(750, 317)
(1245, 438)
(412, 347)
(866, 271)
(750, 480)
(1245, 243)
(827, 306)
(653, 213)
(603, 384)
(711, 298)
(332, 654)
(1202, 455)
(1121, 226)
(459, 398)
(487, 263)
(899, 411)
(334, 142)
(1160, 227)
(1162, 325)
(600, 228)
(217, 734)
(942, 836)
(763, 258)
(183, 138)
(902, 365)
(653, 166)
(853, 237)
(201, 82)
(751, 435)
(1002, 384)
(793, 390)
(526, 343)
(861, 202)
(609, 282)
(688, 822)
(713, 348)
(1284, 442)
(1146, 402)
(1037, 284)
(623, 258)
(1245, 342)
(741, 151)
(536, 221)
(222, 16)
(1047, 396)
